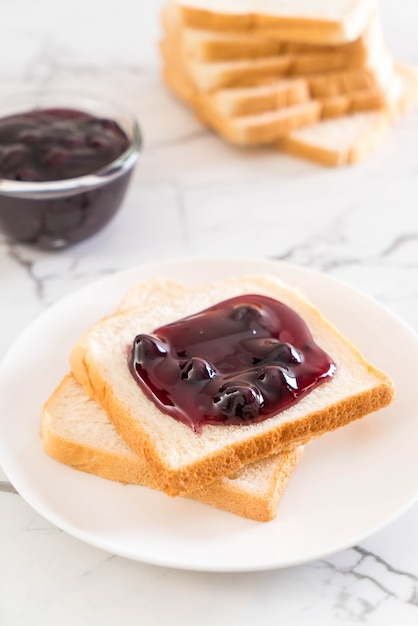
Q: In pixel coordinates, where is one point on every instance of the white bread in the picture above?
(263, 115)
(181, 460)
(339, 141)
(207, 45)
(76, 431)
(350, 138)
(247, 102)
(211, 76)
(212, 45)
(313, 21)
(147, 294)
(208, 79)
(265, 127)
(224, 61)
(331, 143)
(240, 101)
(236, 101)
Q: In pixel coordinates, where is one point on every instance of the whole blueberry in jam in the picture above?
(57, 144)
(238, 362)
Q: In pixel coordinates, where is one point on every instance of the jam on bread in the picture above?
(238, 362)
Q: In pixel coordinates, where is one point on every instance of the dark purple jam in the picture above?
(57, 144)
(50, 145)
(238, 362)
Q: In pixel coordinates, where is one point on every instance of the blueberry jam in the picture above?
(238, 362)
(42, 146)
(57, 144)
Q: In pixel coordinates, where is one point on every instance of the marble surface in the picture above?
(193, 195)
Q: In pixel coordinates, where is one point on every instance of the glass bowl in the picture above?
(54, 214)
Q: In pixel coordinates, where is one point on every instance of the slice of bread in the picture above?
(232, 78)
(369, 87)
(208, 78)
(77, 432)
(233, 59)
(211, 76)
(340, 94)
(212, 45)
(313, 21)
(339, 141)
(147, 294)
(263, 115)
(362, 100)
(350, 138)
(181, 460)
(207, 45)
(239, 101)
(266, 127)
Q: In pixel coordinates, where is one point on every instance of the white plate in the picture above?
(349, 483)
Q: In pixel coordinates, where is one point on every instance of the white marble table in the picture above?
(193, 195)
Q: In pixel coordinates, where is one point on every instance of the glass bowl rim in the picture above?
(27, 101)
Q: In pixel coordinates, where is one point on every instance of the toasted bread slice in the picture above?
(76, 431)
(181, 460)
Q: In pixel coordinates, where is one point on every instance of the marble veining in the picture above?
(193, 195)
(388, 581)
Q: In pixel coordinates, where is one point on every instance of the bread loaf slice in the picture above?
(77, 432)
(207, 45)
(350, 138)
(352, 90)
(339, 141)
(368, 115)
(342, 92)
(217, 77)
(210, 76)
(263, 115)
(240, 101)
(266, 127)
(147, 294)
(182, 461)
(313, 21)
(257, 124)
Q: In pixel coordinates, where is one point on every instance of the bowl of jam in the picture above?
(65, 165)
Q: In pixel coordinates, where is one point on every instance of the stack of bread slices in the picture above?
(315, 78)
(99, 420)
